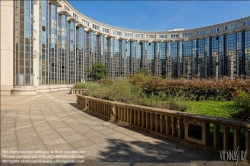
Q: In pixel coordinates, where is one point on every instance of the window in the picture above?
(95, 27)
(189, 34)
(138, 35)
(162, 36)
(247, 23)
(150, 36)
(214, 30)
(75, 16)
(86, 23)
(174, 35)
(105, 30)
(116, 32)
(202, 32)
(230, 27)
(128, 34)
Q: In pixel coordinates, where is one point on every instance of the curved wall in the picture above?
(56, 45)
(211, 51)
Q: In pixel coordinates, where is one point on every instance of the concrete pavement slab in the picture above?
(52, 122)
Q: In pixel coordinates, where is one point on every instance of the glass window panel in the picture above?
(27, 34)
(27, 63)
(27, 79)
(27, 27)
(21, 79)
(27, 40)
(27, 55)
(27, 70)
(21, 25)
(21, 39)
(21, 32)
(27, 12)
(21, 62)
(21, 47)
(21, 71)
(21, 55)
(21, 18)
(21, 10)
(27, 4)
(27, 48)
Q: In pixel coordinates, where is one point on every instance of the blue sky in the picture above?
(162, 15)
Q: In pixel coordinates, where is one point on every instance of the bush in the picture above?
(98, 71)
(169, 93)
(139, 79)
(242, 104)
(242, 100)
(121, 91)
(79, 85)
(95, 90)
(106, 81)
(195, 89)
(143, 71)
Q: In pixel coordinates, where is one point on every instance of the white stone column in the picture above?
(6, 46)
(36, 49)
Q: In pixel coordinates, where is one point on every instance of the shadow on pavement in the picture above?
(155, 150)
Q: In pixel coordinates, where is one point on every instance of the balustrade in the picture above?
(210, 133)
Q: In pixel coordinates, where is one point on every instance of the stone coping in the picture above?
(209, 119)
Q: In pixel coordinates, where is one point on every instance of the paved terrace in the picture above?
(52, 121)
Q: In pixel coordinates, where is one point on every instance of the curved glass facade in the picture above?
(23, 43)
(80, 54)
(44, 43)
(53, 50)
(72, 53)
(70, 43)
(63, 49)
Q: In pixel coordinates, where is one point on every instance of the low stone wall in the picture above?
(189, 129)
(76, 91)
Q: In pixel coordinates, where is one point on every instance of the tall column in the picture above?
(24, 48)
(156, 58)
(7, 46)
(36, 48)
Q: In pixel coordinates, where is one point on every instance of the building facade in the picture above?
(47, 45)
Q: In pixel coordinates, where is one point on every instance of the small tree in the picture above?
(98, 71)
(140, 77)
(143, 71)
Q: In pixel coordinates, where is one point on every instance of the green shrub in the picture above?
(242, 104)
(176, 106)
(79, 85)
(98, 71)
(242, 100)
(143, 71)
(106, 81)
(195, 89)
(139, 79)
(123, 91)
(176, 94)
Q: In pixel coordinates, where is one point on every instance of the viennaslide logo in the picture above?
(233, 155)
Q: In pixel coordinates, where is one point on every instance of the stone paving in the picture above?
(52, 124)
